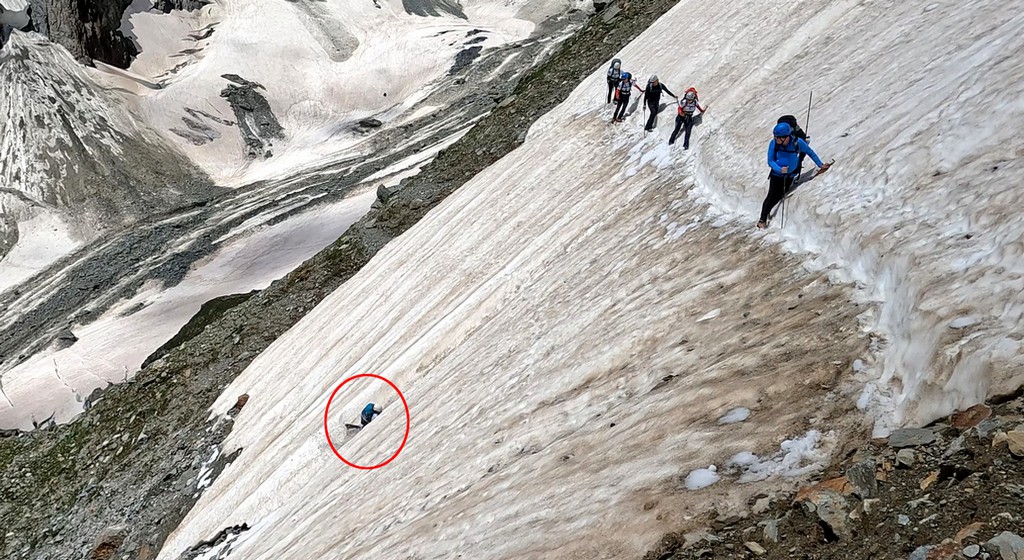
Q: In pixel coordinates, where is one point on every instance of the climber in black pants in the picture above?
(652, 96)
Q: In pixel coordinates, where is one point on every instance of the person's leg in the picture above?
(686, 135)
(776, 192)
(611, 90)
(620, 112)
(675, 132)
(653, 109)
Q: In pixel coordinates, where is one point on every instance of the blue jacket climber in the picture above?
(784, 152)
(370, 411)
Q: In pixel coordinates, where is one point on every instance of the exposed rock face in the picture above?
(256, 121)
(88, 29)
(433, 7)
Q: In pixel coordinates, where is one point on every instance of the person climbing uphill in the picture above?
(652, 96)
(370, 411)
(689, 103)
(799, 133)
(622, 93)
(614, 75)
(784, 157)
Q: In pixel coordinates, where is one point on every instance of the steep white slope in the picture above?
(324, 65)
(531, 318)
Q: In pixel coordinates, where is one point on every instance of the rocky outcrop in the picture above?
(433, 7)
(949, 491)
(89, 29)
(256, 121)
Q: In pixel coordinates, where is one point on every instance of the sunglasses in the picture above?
(781, 138)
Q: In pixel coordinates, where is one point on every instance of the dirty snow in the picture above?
(797, 457)
(529, 318)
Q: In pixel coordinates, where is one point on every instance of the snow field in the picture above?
(544, 321)
(324, 65)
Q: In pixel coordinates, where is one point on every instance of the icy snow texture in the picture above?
(735, 415)
(523, 317)
(702, 478)
(797, 457)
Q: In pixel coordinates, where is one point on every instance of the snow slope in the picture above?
(325, 65)
(532, 319)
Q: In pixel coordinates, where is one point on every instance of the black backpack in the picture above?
(791, 121)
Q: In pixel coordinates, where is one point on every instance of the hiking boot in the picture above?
(761, 224)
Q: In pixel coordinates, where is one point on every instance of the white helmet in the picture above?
(378, 408)
(654, 78)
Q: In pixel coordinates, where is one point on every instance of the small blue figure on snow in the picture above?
(370, 411)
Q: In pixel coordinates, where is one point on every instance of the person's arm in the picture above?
(670, 94)
(771, 158)
(639, 88)
(702, 109)
(807, 150)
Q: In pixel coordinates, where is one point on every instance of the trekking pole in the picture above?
(807, 121)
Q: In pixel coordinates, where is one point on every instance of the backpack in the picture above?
(626, 85)
(614, 72)
(687, 106)
(791, 121)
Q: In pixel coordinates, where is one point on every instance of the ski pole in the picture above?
(782, 222)
(807, 121)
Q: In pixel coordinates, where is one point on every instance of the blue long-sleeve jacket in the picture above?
(367, 414)
(787, 156)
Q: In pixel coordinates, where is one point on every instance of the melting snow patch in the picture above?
(735, 415)
(963, 322)
(858, 366)
(798, 457)
(702, 478)
(204, 480)
(742, 459)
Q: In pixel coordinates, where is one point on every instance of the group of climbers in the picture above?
(786, 151)
(621, 85)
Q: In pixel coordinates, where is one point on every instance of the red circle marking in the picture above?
(408, 421)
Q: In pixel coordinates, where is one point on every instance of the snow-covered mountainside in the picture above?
(321, 68)
(571, 327)
(126, 294)
(73, 161)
